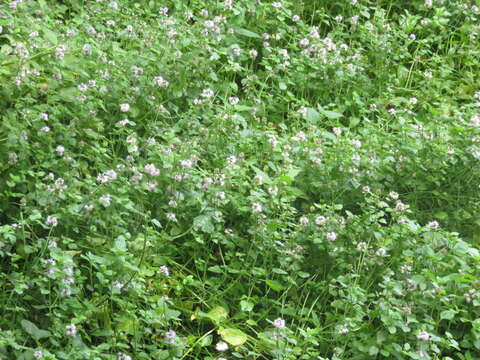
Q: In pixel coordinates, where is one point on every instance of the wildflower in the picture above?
(60, 150)
(207, 93)
(107, 176)
(362, 246)
(221, 346)
(303, 111)
(331, 236)
(277, 4)
(475, 121)
(151, 170)
(233, 100)
(433, 225)
(106, 199)
(60, 51)
(279, 323)
(71, 330)
(160, 81)
(424, 336)
(232, 159)
(357, 143)
(400, 206)
(170, 337)
(256, 207)
(164, 270)
(118, 285)
(428, 3)
(171, 216)
(304, 221)
(45, 129)
(51, 221)
(320, 220)
(295, 18)
(151, 185)
(273, 190)
(124, 107)
(124, 357)
(381, 252)
(343, 330)
(393, 195)
(304, 42)
(228, 5)
(66, 292)
(186, 163)
(38, 354)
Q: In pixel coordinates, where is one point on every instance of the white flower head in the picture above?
(424, 336)
(279, 323)
(124, 107)
(71, 330)
(221, 346)
(51, 221)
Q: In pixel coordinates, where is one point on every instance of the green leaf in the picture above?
(247, 33)
(274, 285)
(312, 116)
(50, 36)
(332, 114)
(33, 330)
(203, 223)
(246, 305)
(68, 94)
(233, 336)
(6, 49)
(447, 314)
(206, 341)
(217, 314)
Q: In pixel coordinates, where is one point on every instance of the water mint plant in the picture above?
(239, 179)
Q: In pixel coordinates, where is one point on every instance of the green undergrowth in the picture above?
(239, 180)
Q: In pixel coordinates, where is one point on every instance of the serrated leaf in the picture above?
(233, 336)
(204, 223)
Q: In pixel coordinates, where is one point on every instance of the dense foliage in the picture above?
(239, 179)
